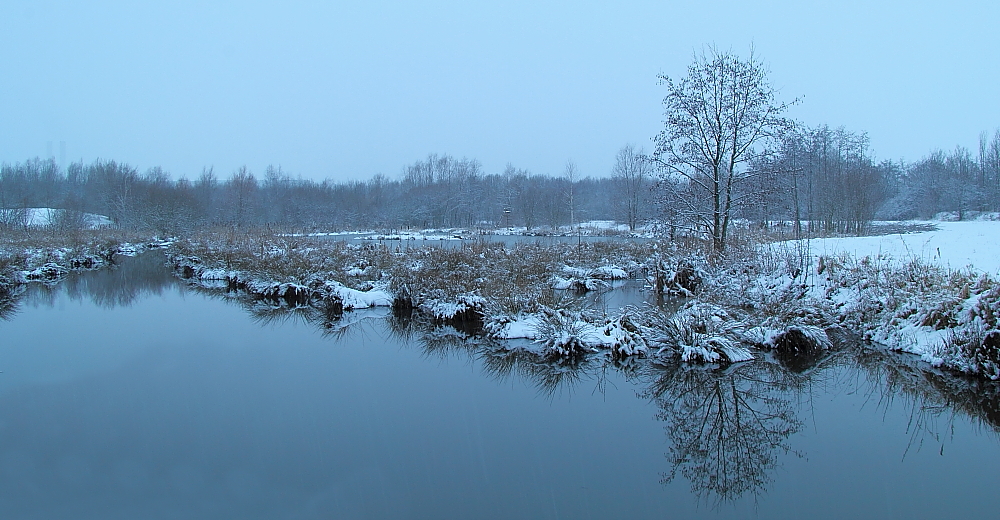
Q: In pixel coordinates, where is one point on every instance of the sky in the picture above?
(344, 91)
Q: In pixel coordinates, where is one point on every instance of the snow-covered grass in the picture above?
(511, 280)
(932, 293)
(478, 284)
(288, 269)
(597, 228)
(467, 283)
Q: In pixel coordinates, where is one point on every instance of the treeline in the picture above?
(824, 180)
(438, 192)
(827, 180)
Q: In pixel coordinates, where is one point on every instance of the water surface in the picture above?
(126, 394)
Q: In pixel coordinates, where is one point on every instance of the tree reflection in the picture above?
(727, 428)
(496, 358)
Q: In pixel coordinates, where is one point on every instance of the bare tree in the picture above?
(242, 187)
(720, 119)
(631, 172)
(570, 174)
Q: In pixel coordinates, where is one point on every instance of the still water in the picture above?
(126, 394)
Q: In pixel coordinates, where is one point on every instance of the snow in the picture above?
(447, 310)
(325, 234)
(954, 245)
(577, 284)
(929, 293)
(49, 271)
(521, 327)
(351, 298)
(558, 332)
(217, 274)
(604, 225)
(610, 272)
(356, 299)
(41, 217)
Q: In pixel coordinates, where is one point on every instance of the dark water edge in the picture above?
(126, 394)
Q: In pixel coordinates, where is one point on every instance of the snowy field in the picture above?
(955, 245)
(43, 217)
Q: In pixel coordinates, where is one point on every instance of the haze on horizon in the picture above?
(347, 91)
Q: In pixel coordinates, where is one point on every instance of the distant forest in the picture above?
(825, 178)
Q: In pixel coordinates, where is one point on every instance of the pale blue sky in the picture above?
(347, 90)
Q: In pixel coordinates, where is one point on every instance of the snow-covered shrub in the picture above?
(464, 308)
(49, 272)
(578, 285)
(625, 335)
(680, 276)
(609, 272)
(791, 339)
(563, 333)
(698, 333)
(800, 347)
(973, 349)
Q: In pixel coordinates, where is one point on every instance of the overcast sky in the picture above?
(345, 91)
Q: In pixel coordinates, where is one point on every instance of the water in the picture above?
(125, 394)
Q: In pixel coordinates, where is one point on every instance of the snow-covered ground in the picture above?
(41, 217)
(955, 245)
(931, 293)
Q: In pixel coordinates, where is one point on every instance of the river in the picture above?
(125, 393)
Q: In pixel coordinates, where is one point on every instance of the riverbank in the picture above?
(799, 299)
(796, 298)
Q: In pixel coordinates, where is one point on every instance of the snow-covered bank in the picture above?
(953, 245)
(465, 286)
(316, 290)
(411, 236)
(933, 293)
(783, 297)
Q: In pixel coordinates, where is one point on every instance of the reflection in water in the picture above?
(548, 377)
(496, 358)
(8, 305)
(727, 428)
(122, 285)
(935, 400)
(8, 308)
